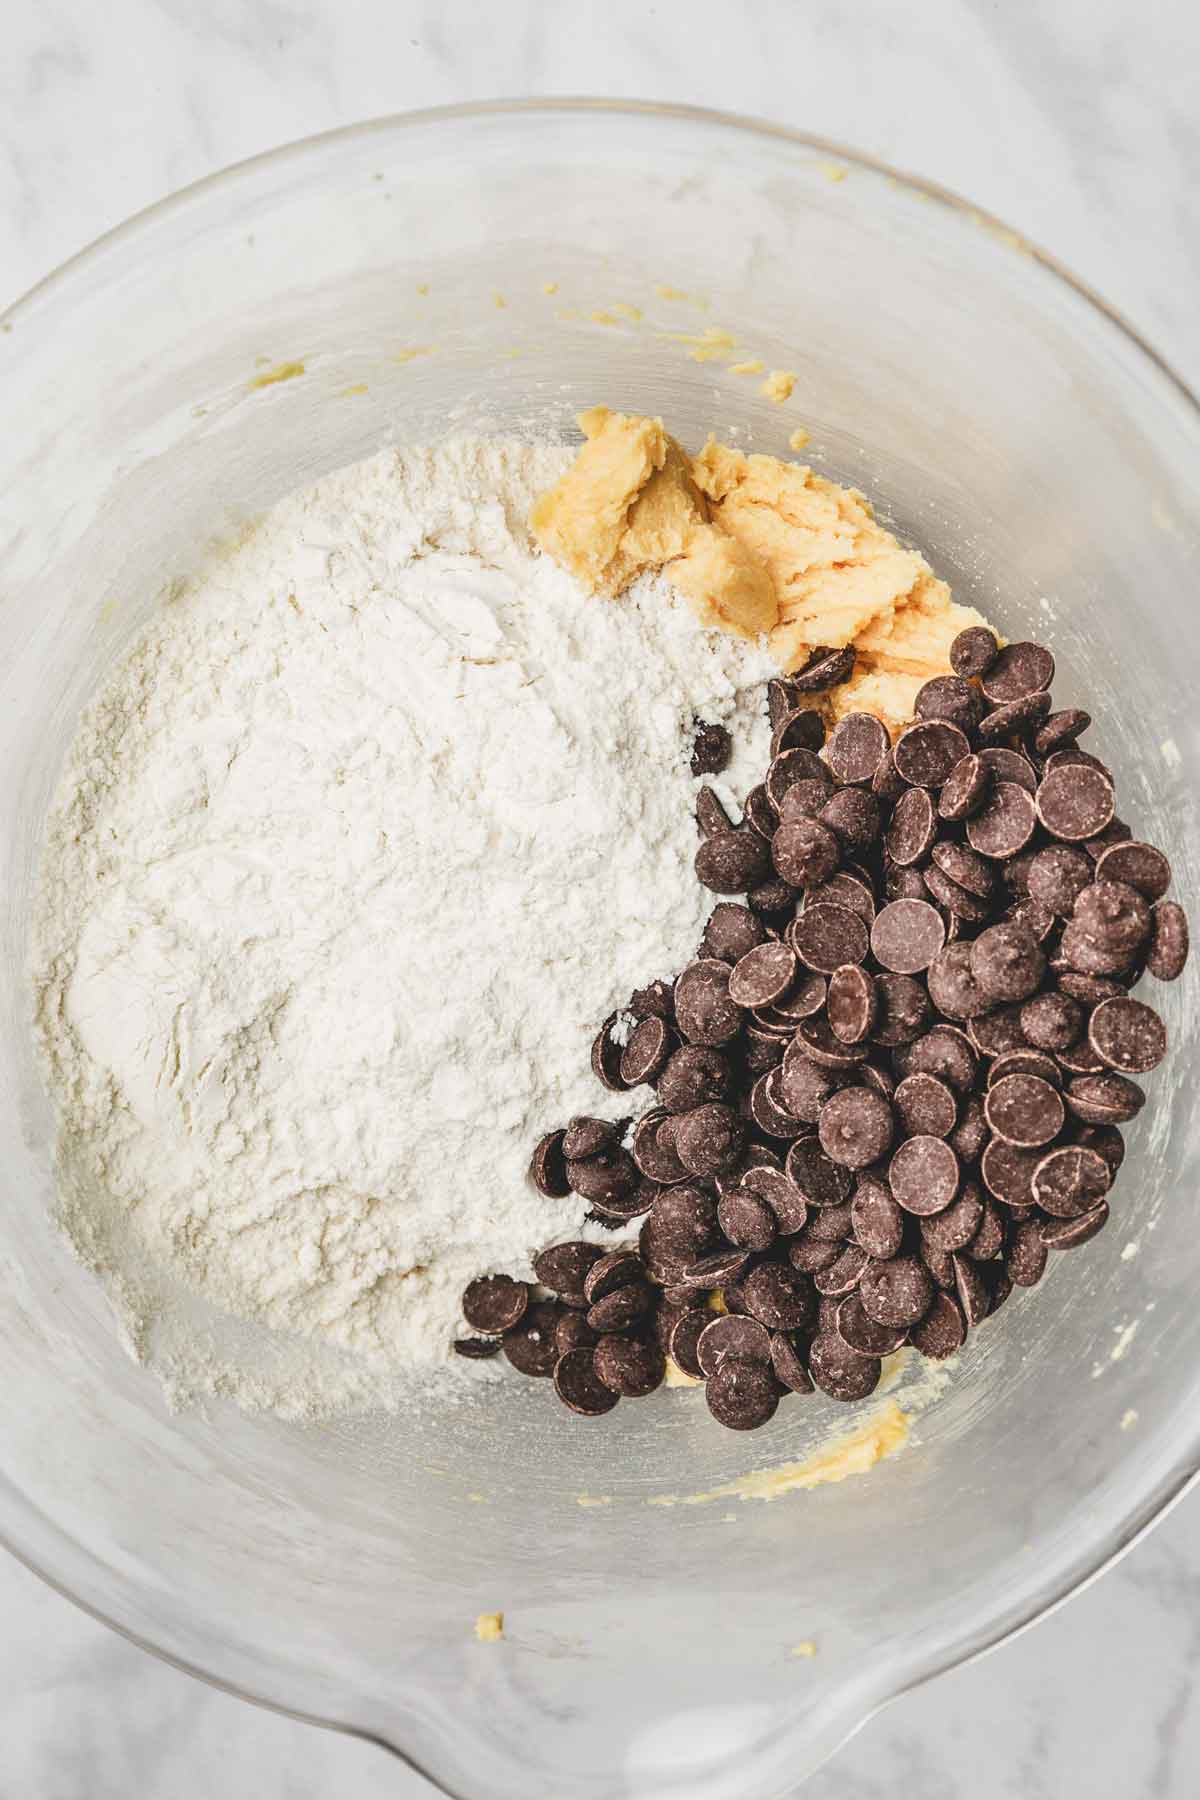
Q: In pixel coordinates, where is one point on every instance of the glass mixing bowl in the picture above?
(394, 282)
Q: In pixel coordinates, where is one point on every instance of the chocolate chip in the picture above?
(824, 669)
(886, 784)
(694, 1074)
(606, 1057)
(703, 1008)
(903, 1008)
(972, 1290)
(862, 1333)
(1013, 718)
(805, 852)
(855, 1127)
(686, 1331)
(821, 1181)
(711, 816)
(731, 932)
(1106, 1141)
(780, 1193)
(1017, 670)
(924, 1175)
(579, 1386)
(1025, 1110)
(1168, 951)
(606, 1176)
(957, 1225)
(1006, 962)
(878, 1221)
(946, 1052)
(742, 1395)
(844, 1273)
(548, 1167)
(1079, 950)
(804, 1087)
(1079, 1059)
(965, 788)
(1007, 1172)
(913, 828)
(1114, 915)
(1057, 877)
(839, 1371)
(788, 768)
(997, 1031)
(760, 813)
(926, 1106)
(1027, 1254)
(826, 936)
(732, 1335)
(1060, 729)
(1139, 865)
(681, 1227)
(1004, 823)
(969, 1137)
(712, 747)
(1127, 1036)
(1006, 764)
(1075, 802)
(530, 1347)
(747, 1221)
(646, 1051)
(853, 1004)
(708, 1138)
(812, 1255)
(852, 814)
(896, 1292)
(1116, 833)
(951, 698)
(907, 935)
(843, 889)
(729, 862)
(571, 1331)
(782, 698)
(802, 1001)
(763, 975)
(962, 905)
(953, 986)
(1107, 1099)
(801, 729)
(1089, 990)
(563, 1268)
(904, 883)
(940, 1264)
(788, 1364)
(807, 800)
(778, 1295)
(973, 651)
(856, 747)
(475, 1349)
(1065, 1234)
(1069, 1181)
(621, 1308)
(631, 1367)
(924, 754)
(494, 1303)
(768, 1111)
(942, 1331)
(1025, 1062)
(585, 1137)
(653, 1148)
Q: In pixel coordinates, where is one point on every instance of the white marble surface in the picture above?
(1075, 120)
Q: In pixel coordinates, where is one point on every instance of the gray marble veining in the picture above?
(1078, 123)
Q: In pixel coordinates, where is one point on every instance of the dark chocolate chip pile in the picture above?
(894, 1077)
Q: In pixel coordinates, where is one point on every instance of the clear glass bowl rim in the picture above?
(57, 287)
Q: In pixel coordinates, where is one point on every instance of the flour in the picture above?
(377, 821)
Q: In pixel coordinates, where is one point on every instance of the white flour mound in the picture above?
(378, 820)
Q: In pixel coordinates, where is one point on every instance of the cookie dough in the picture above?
(759, 546)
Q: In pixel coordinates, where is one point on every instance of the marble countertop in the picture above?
(1077, 123)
